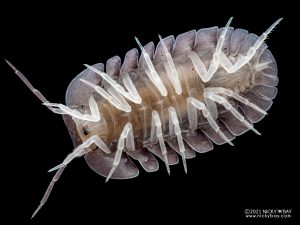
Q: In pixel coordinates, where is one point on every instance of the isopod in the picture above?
(176, 99)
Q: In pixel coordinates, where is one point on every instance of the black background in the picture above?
(50, 44)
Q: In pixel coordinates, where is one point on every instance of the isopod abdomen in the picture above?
(206, 86)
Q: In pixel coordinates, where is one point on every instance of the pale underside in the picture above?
(204, 98)
(209, 85)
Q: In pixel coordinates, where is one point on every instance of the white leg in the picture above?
(230, 93)
(156, 135)
(127, 134)
(230, 68)
(171, 69)
(94, 117)
(80, 150)
(192, 106)
(204, 74)
(112, 96)
(131, 94)
(151, 73)
(211, 107)
(175, 130)
(221, 100)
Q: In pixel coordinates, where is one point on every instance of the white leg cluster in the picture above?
(171, 69)
(62, 109)
(79, 151)
(116, 93)
(211, 94)
(156, 136)
(151, 72)
(126, 135)
(230, 68)
(131, 94)
(204, 74)
(193, 105)
(175, 131)
(110, 95)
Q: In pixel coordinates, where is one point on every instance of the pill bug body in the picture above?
(206, 86)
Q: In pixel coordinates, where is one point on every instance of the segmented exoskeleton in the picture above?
(209, 85)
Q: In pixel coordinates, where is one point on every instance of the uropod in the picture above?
(206, 86)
